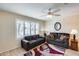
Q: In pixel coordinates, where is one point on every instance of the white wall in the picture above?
(8, 38)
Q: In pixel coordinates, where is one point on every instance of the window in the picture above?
(20, 28)
(25, 28)
(33, 28)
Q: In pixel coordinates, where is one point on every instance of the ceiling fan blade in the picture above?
(57, 10)
(57, 14)
(43, 15)
(46, 10)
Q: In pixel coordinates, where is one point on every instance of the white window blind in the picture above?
(26, 28)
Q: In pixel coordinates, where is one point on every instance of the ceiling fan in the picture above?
(51, 12)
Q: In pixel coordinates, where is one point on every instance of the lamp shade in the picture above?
(74, 31)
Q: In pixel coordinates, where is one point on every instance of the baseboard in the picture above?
(9, 50)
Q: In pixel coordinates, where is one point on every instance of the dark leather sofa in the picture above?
(59, 39)
(30, 42)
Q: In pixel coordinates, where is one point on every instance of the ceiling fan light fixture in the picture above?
(49, 16)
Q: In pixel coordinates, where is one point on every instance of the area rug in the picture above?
(46, 50)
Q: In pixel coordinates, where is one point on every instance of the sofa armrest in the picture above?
(25, 40)
(25, 44)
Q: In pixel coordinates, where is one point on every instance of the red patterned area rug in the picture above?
(46, 50)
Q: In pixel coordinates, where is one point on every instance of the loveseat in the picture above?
(59, 39)
(29, 42)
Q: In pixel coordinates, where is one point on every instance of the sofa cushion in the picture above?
(27, 38)
(52, 36)
(58, 40)
(34, 37)
(32, 41)
(40, 39)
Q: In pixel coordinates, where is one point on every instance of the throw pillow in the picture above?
(33, 37)
(62, 37)
(51, 37)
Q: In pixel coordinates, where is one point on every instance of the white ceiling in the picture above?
(35, 9)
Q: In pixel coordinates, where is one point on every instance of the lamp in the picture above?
(74, 31)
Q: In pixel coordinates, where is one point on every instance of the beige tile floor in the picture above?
(20, 51)
(15, 52)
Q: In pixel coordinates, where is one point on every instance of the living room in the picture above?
(18, 21)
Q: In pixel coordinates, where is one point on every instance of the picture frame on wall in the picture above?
(57, 26)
